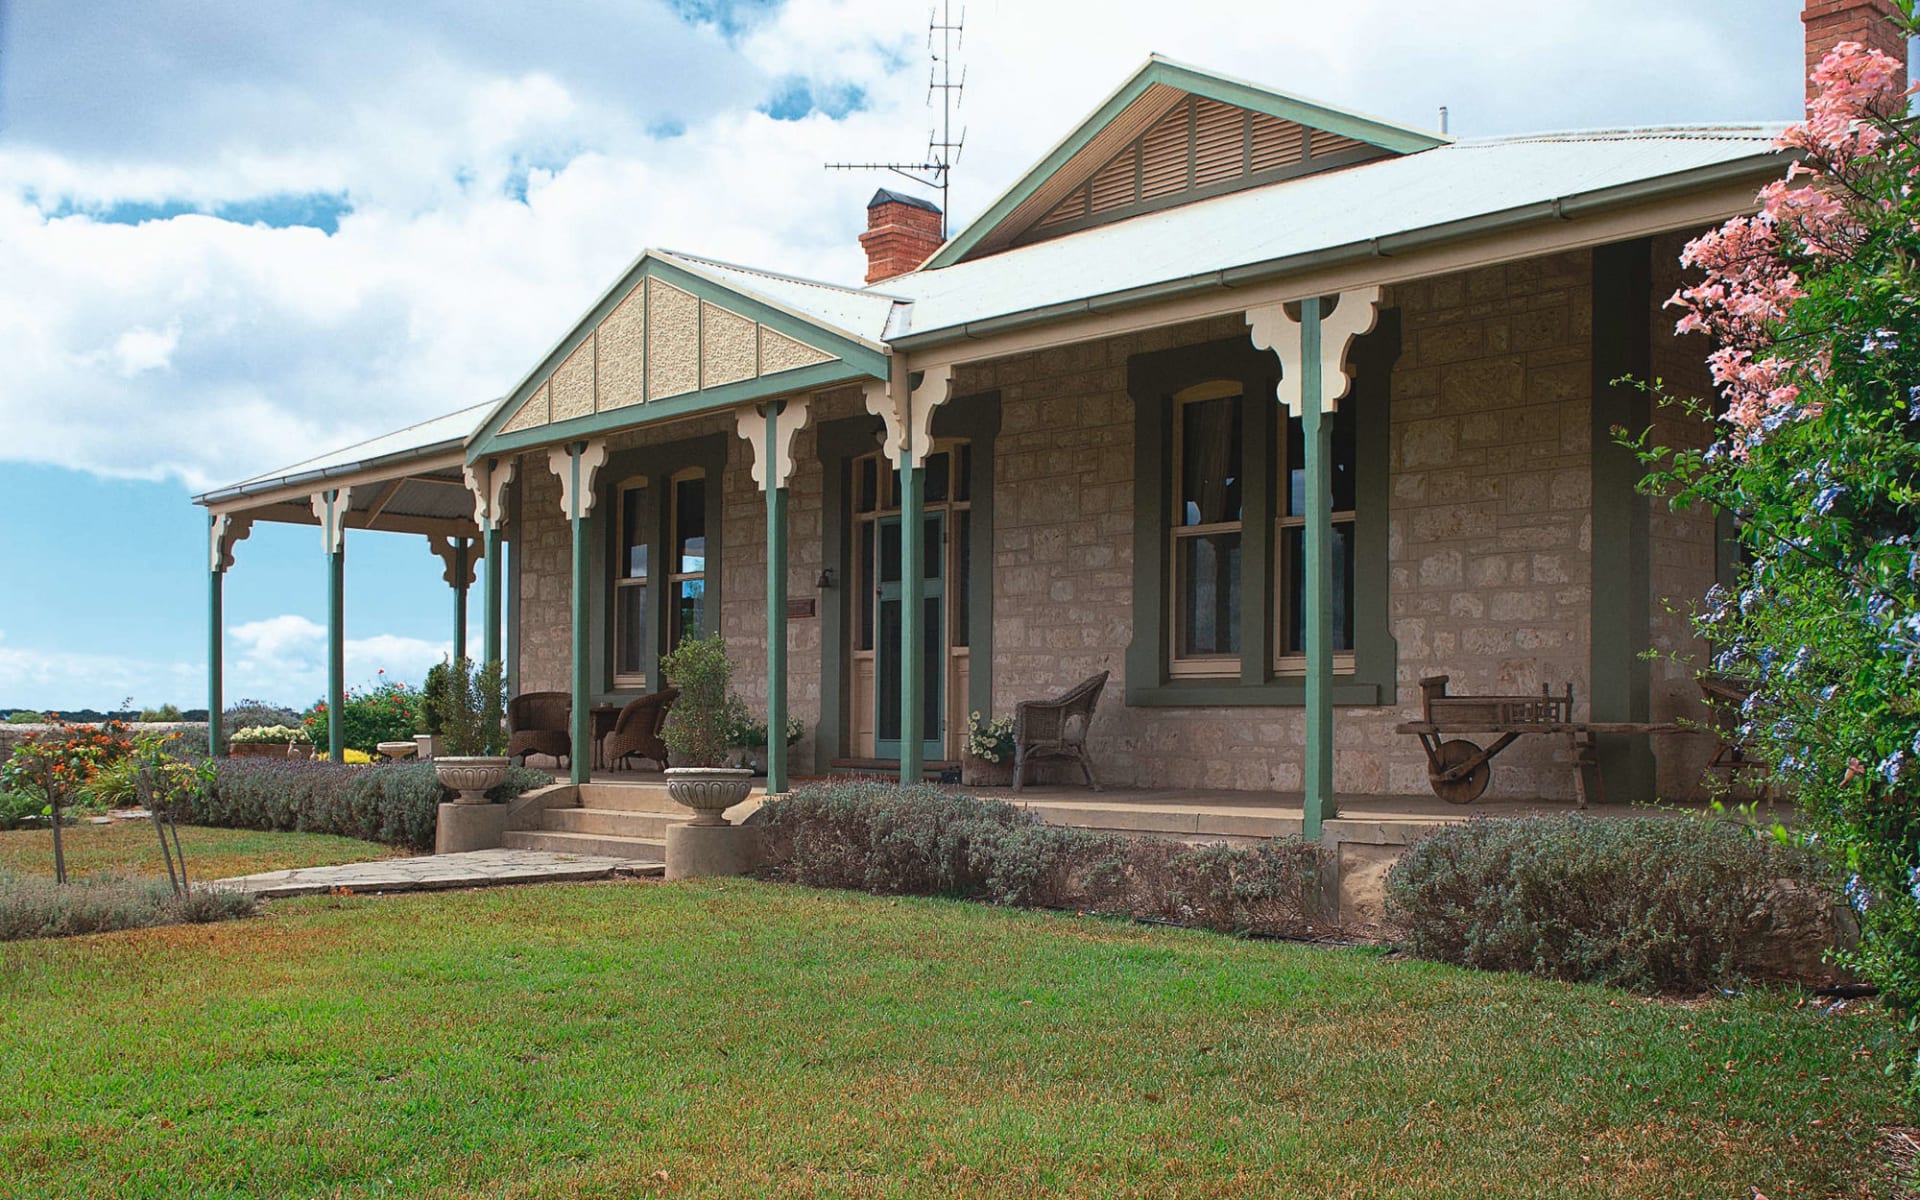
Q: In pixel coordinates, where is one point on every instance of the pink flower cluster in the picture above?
(1750, 283)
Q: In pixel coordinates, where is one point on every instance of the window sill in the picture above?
(1279, 693)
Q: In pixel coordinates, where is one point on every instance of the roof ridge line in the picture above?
(780, 275)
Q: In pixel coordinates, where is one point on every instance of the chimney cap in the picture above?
(887, 196)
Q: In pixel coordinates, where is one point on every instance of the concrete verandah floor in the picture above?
(1200, 813)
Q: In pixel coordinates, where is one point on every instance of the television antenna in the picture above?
(943, 149)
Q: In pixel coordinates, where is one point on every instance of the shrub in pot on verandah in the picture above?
(469, 703)
(700, 728)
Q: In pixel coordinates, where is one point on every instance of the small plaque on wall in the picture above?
(799, 609)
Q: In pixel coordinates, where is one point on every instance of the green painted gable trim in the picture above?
(857, 360)
(1400, 139)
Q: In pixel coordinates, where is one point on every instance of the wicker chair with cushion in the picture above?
(1057, 728)
(636, 732)
(537, 724)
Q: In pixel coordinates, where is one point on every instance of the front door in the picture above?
(887, 577)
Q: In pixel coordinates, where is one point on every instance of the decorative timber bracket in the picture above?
(488, 482)
(908, 410)
(789, 417)
(331, 508)
(576, 463)
(461, 555)
(1294, 338)
(224, 532)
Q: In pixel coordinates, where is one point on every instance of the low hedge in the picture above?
(35, 907)
(393, 803)
(887, 839)
(1657, 905)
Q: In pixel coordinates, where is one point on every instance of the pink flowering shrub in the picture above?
(1812, 308)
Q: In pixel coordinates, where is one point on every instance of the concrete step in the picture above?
(602, 845)
(628, 797)
(613, 822)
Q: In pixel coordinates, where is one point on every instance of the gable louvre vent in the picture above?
(1197, 148)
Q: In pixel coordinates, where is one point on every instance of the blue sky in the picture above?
(234, 238)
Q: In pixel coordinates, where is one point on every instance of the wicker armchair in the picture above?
(636, 732)
(537, 724)
(1057, 728)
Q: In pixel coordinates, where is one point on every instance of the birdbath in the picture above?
(397, 750)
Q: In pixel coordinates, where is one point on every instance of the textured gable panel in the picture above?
(573, 383)
(532, 414)
(778, 352)
(673, 340)
(669, 333)
(728, 349)
(620, 346)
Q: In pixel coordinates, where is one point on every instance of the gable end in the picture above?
(1199, 147)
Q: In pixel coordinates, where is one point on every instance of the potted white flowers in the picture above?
(270, 741)
(989, 760)
(469, 704)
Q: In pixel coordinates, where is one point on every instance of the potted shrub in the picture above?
(426, 738)
(471, 702)
(700, 728)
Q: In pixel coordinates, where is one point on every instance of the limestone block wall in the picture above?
(1489, 578)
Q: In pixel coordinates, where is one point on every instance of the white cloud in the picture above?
(207, 350)
(74, 680)
(284, 659)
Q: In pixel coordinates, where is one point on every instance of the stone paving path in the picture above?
(433, 872)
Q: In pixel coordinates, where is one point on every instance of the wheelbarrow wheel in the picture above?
(1465, 787)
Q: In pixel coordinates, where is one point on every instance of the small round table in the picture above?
(604, 717)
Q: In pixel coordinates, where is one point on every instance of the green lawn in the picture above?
(740, 1039)
(132, 848)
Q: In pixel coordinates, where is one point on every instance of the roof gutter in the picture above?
(254, 487)
(1562, 208)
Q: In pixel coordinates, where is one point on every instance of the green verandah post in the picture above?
(776, 491)
(216, 637)
(462, 550)
(1317, 437)
(912, 678)
(581, 732)
(336, 534)
(490, 558)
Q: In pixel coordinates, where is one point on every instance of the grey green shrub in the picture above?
(1653, 904)
(393, 803)
(880, 837)
(35, 907)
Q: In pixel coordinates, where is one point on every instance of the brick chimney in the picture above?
(1869, 22)
(902, 231)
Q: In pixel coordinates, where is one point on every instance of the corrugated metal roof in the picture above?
(861, 313)
(1378, 199)
(437, 434)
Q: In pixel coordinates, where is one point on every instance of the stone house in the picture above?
(1267, 408)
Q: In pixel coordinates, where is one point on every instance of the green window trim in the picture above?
(657, 465)
(1152, 382)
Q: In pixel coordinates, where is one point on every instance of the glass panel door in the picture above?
(887, 598)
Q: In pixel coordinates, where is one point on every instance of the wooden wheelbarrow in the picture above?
(1458, 769)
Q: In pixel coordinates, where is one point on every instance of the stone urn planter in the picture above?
(471, 777)
(709, 791)
(396, 750)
